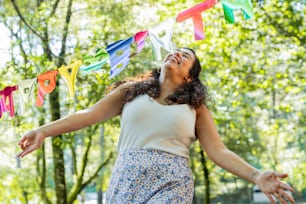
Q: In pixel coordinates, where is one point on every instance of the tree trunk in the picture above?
(100, 196)
(41, 177)
(41, 166)
(58, 154)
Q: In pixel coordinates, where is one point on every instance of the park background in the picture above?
(254, 70)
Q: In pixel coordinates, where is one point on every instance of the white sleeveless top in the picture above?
(147, 124)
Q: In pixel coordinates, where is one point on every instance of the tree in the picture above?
(254, 70)
(40, 31)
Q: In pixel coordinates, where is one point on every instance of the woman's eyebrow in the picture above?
(185, 53)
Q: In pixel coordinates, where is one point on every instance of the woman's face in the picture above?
(178, 64)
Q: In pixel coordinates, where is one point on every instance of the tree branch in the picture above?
(280, 28)
(85, 156)
(74, 159)
(24, 21)
(65, 33)
(54, 7)
(20, 44)
(77, 188)
(94, 175)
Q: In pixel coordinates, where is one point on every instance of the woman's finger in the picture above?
(270, 198)
(280, 198)
(286, 187)
(286, 195)
(23, 145)
(22, 140)
(27, 151)
(280, 175)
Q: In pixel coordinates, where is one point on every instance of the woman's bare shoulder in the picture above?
(121, 86)
(202, 110)
(127, 84)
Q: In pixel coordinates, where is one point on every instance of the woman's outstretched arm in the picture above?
(268, 181)
(106, 108)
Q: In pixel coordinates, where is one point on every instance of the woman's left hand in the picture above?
(270, 184)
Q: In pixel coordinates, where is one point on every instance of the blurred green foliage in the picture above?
(254, 70)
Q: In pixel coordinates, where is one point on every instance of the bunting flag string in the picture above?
(3, 107)
(139, 38)
(195, 14)
(26, 90)
(69, 73)
(161, 36)
(46, 84)
(7, 93)
(118, 54)
(95, 62)
(230, 5)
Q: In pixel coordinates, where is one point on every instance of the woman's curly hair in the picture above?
(193, 93)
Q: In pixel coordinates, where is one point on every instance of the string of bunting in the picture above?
(118, 54)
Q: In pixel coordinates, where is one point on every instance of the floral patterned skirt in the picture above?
(150, 176)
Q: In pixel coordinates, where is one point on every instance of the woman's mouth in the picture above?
(176, 60)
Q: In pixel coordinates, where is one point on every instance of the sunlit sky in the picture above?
(4, 45)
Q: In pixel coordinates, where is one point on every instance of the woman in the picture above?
(161, 115)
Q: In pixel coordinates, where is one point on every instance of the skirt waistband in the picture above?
(149, 153)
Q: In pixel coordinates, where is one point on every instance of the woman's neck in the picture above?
(167, 87)
(168, 84)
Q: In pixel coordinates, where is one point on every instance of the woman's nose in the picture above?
(177, 53)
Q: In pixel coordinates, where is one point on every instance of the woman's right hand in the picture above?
(31, 141)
